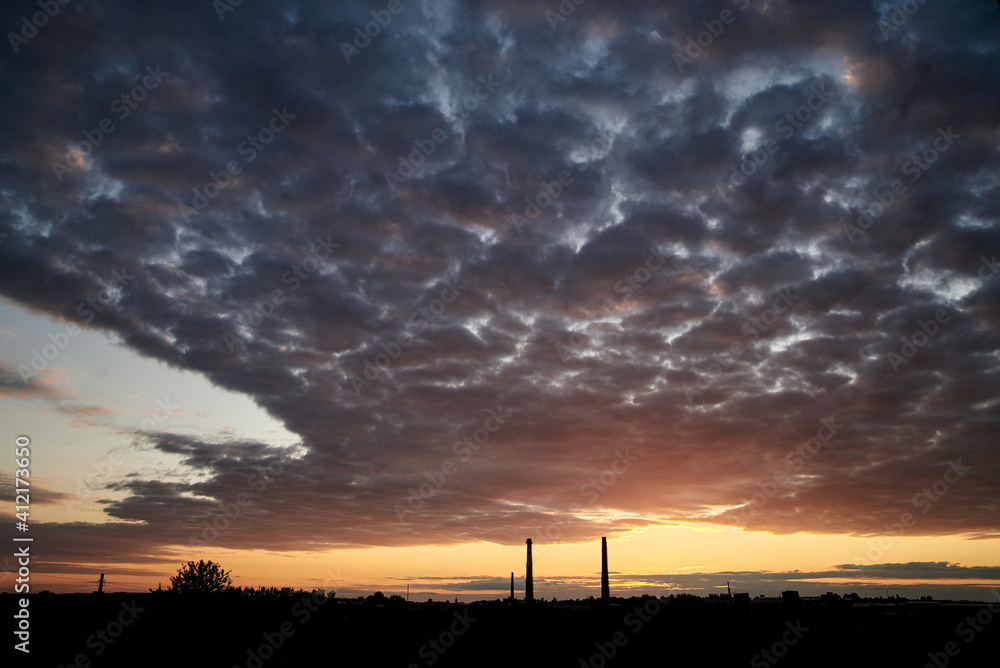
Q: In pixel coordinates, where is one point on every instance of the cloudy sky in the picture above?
(367, 293)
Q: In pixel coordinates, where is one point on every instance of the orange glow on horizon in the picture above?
(640, 561)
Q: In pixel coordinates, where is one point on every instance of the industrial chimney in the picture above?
(529, 583)
(512, 585)
(605, 584)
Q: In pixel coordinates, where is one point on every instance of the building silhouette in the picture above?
(529, 583)
(605, 583)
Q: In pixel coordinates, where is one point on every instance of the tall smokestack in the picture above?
(512, 585)
(605, 584)
(529, 583)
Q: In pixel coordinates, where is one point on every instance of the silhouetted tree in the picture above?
(205, 577)
(378, 598)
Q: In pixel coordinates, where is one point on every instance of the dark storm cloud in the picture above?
(639, 311)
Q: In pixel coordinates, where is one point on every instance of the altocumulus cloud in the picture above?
(655, 183)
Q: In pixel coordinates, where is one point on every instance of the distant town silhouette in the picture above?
(199, 621)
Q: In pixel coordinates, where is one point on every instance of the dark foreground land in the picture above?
(301, 630)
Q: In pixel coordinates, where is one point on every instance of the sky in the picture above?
(362, 295)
